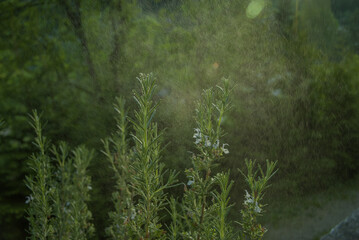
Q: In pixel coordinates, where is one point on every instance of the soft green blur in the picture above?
(294, 66)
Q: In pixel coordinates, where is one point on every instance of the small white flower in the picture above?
(28, 199)
(197, 135)
(216, 144)
(66, 208)
(257, 209)
(207, 143)
(190, 182)
(89, 187)
(133, 214)
(249, 199)
(225, 150)
(247, 195)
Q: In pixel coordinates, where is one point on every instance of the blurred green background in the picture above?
(294, 65)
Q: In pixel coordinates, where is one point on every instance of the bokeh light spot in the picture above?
(254, 8)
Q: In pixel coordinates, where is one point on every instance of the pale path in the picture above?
(316, 221)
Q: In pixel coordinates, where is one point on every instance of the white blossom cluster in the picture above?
(199, 137)
(250, 201)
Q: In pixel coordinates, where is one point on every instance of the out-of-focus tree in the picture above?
(48, 62)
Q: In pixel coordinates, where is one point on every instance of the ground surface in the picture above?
(314, 216)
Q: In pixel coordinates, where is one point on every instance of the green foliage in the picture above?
(293, 63)
(140, 198)
(148, 184)
(140, 176)
(72, 185)
(80, 215)
(57, 203)
(122, 198)
(222, 199)
(40, 210)
(317, 21)
(63, 191)
(257, 181)
(198, 210)
(333, 97)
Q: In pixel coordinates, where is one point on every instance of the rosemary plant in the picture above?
(72, 186)
(60, 185)
(81, 217)
(257, 180)
(40, 209)
(59, 189)
(204, 208)
(174, 229)
(206, 200)
(119, 157)
(63, 191)
(143, 194)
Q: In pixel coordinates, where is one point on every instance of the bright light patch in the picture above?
(255, 7)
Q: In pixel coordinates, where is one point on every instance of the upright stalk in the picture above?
(40, 210)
